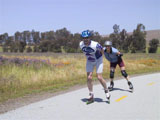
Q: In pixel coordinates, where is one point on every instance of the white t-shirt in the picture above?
(92, 51)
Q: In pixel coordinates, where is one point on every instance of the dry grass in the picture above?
(19, 80)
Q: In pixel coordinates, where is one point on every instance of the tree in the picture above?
(44, 45)
(153, 45)
(36, 48)
(3, 38)
(35, 37)
(115, 40)
(138, 41)
(18, 36)
(124, 41)
(116, 29)
(96, 36)
(115, 36)
(63, 39)
(14, 46)
(75, 42)
(21, 46)
(26, 36)
(8, 40)
(29, 49)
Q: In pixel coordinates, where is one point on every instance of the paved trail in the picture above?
(143, 104)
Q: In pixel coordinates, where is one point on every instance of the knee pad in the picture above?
(124, 73)
(111, 74)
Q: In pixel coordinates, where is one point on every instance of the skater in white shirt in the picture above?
(93, 51)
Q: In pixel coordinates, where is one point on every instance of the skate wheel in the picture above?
(89, 102)
(110, 89)
(131, 90)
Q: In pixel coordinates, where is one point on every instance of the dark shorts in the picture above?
(119, 62)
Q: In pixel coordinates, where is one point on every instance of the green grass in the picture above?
(20, 80)
(1, 49)
(158, 51)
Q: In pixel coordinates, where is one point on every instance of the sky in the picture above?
(78, 15)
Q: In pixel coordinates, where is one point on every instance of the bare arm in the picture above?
(102, 51)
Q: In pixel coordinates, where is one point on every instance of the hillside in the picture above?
(153, 34)
(150, 34)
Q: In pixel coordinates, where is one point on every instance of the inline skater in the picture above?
(93, 51)
(115, 58)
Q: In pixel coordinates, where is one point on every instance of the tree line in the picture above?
(63, 40)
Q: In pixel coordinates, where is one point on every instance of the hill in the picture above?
(150, 34)
(153, 34)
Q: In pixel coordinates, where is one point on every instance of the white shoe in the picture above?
(107, 94)
(90, 97)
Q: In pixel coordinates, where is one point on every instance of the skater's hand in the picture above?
(120, 54)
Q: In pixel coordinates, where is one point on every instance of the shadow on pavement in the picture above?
(120, 89)
(99, 100)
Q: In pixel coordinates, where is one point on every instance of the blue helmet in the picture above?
(85, 34)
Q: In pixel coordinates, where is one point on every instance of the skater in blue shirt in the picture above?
(93, 51)
(115, 57)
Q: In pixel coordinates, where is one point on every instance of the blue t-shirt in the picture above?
(92, 51)
(112, 57)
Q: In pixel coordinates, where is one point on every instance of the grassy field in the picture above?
(55, 72)
(158, 51)
(1, 49)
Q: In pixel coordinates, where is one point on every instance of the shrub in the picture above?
(153, 45)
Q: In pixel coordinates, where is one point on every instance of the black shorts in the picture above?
(119, 62)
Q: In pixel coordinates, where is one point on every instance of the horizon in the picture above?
(71, 32)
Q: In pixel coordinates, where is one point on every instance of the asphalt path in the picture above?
(142, 104)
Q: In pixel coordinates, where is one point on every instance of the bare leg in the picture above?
(89, 81)
(102, 81)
